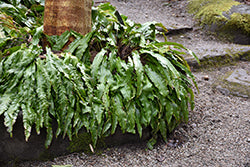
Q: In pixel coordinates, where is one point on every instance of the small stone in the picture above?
(248, 140)
(206, 77)
(193, 125)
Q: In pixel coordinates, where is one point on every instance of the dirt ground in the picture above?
(217, 134)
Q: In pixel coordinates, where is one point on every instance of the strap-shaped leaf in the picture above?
(151, 143)
(164, 62)
(163, 129)
(61, 41)
(94, 131)
(146, 109)
(138, 121)
(184, 108)
(37, 36)
(121, 114)
(157, 80)
(49, 136)
(106, 127)
(139, 71)
(97, 61)
(169, 111)
(114, 121)
(80, 45)
(98, 112)
(131, 118)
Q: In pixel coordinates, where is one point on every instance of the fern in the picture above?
(118, 75)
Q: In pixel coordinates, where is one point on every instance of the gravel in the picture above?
(217, 133)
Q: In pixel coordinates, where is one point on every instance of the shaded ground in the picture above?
(218, 130)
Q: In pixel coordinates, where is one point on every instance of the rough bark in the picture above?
(62, 15)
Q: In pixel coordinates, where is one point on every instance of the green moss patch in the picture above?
(210, 12)
(210, 61)
(239, 21)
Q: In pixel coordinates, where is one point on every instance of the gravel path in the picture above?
(217, 133)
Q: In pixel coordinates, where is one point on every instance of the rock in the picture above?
(225, 56)
(176, 30)
(241, 9)
(228, 19)
(236, 82)
(240, 76)
(239, 16)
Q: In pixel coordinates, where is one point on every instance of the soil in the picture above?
(217, 133)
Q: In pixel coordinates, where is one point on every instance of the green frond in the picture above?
(116, 76)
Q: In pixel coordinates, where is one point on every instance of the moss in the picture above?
(239, 21)
(218, 61)
(210, 11)
(81, 143)
(223, 60)
(246, 56)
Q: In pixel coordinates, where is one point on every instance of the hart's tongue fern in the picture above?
(118, 75)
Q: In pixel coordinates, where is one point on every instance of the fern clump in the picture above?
(116, 76)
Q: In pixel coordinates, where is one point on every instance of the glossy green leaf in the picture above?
(37, 36)
(163, 129)
(139, 71)
(151, 143)
(62, 40)
(134, 81)
(106, 126)
(157, 80)
(163, 61)
(121, 115)
(97, 61)
(131, 118)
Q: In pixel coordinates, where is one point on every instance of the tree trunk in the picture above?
(62, 15)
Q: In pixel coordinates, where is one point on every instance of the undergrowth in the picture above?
(116, 76)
